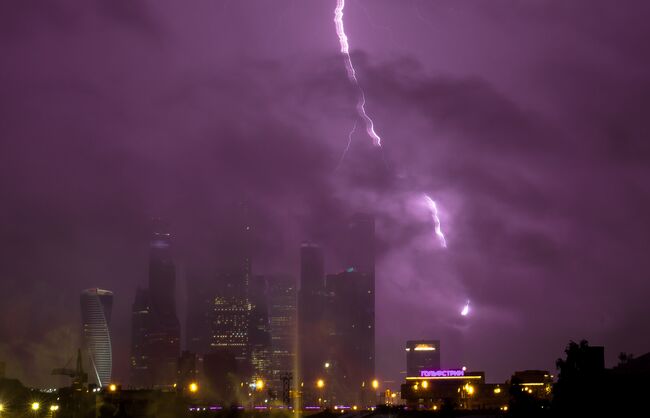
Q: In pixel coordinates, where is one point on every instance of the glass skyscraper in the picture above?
(96, 307)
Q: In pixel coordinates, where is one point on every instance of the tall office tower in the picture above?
(140, 325)
(198, 328)
(230, 320)
(283, 317)
(230, 306)
(313, 327)
(163, 338)
(422, 355)
(259, 329)
(96, 307)
(350, 307)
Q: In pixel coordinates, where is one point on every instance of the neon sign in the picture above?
(442, 373)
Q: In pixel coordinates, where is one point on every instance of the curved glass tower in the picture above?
(96, 307)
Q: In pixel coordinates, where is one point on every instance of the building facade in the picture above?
(422, 355)
(96, 308)
(351, 342)
(155, 329)
(313, 325)
(283, 319)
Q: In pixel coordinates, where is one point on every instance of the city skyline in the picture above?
(525, 124)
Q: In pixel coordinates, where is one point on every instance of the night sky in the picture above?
(526, 121)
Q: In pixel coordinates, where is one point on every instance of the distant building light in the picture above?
(424, 347)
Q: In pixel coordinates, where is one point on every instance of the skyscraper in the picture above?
(259, 329)
(230, 318)
(283, 318)
(422, 355)
(313, 328)
(164, 335)
(230, 305)
(155, 327)
(351, 342)
(96, 307)
(140, 326)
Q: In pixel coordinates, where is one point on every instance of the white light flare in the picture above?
(352, 75)
(465, 310)
(436, 220)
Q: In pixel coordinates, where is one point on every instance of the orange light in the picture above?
(193, 387)
(320, 383)
(375, 384)
(112, 387)
(259, 384)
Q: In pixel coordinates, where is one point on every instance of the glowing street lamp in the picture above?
(375, 384)
(112, 387)
(36, 406)
(193, 387)
(259, 384)
(320, 383)
(54, 408)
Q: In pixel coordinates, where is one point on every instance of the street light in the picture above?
(259, 384)
(375, 384)
(112, 387)
(320, 383)
(54, 408)
(193, 387)
(36, 406)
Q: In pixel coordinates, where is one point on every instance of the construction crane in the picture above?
(78, 376)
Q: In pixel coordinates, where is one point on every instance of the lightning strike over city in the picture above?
(200, 219)
(352, 76)
(437, 227)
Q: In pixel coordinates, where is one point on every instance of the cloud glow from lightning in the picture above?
(431, 204)
(465, 310)
(352, 74)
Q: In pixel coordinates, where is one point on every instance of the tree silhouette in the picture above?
(580, 386)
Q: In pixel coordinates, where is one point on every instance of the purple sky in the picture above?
(527, 121)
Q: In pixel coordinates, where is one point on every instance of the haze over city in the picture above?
(525, 122)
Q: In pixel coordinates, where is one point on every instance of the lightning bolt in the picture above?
(361, 110)
(352, 74)
(345, 151)
(465, 310)
(436, 220)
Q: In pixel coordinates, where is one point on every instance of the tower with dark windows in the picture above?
(313, 326)
(155, 345)
(163, 339)
(140, 325)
